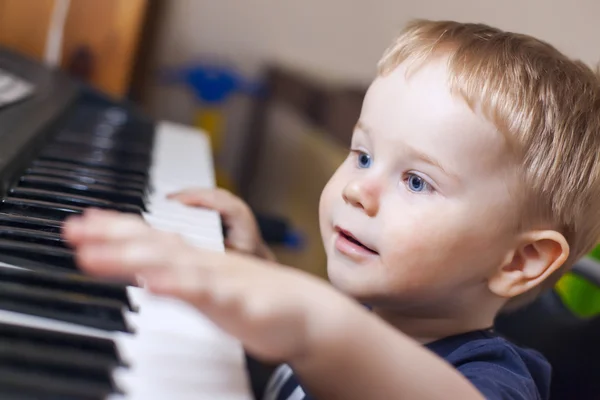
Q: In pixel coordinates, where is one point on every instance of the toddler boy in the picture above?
(471, 184)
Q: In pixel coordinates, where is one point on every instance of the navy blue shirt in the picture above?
(499, 369)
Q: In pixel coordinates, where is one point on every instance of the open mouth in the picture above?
(348, 236)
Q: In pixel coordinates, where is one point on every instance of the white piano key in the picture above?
(175, 352)
(193, 226)
(201, 361)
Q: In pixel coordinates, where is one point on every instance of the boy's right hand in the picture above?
(243, 234)
(275, 311)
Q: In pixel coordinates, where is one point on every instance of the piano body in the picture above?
(65, 335)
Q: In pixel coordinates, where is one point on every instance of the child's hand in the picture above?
(337, 348)
(273, 310)
(243, 233)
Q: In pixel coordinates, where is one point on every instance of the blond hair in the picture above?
(545, 104)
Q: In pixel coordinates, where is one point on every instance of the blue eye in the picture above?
(364, 160)
(417, 184)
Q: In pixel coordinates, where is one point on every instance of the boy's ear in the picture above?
(537, 255)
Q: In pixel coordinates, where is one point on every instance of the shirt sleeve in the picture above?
(501, 373)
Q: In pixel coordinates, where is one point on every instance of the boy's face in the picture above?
(426, 188)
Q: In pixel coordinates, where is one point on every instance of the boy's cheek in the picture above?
(331, 197)
(422, 250)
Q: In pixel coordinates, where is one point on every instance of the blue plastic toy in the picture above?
(212, 85)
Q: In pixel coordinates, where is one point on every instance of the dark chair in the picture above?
(569, 342)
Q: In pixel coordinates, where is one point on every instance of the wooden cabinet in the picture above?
(109, 31)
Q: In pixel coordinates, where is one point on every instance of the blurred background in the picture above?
(277, 84)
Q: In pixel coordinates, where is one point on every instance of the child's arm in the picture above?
(339, 350)
(362, 357)
(243, 234)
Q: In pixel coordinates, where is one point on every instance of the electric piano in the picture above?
(65, 335)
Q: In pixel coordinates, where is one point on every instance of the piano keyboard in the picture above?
(64, 335)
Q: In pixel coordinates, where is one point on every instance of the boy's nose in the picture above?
(363, 195)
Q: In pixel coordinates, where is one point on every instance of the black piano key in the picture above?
(19, 382)
(104, 196)
(38, 208)
(70, 199)
(112, 161)
(63, 306)
(55, 363)
(104, 137)
(89, 171)
(100, 180)
(31, 236)
(86, 116)
(118, 152)
(48, 361)
(29, 264)
(58, 377)
(81, 358)
(46, 255)
(73, 283)
(101, 348)
(105, 143)
(109, 163)
(40, 224)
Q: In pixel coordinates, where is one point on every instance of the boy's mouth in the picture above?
(350, 238)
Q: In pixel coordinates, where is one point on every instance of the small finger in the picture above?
(121, 259)
(102, 226)
(192, 285)
(191, 195)
(217, 199)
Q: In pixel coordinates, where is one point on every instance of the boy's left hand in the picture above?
(268, 307)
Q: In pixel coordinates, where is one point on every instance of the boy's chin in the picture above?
(352, 283)
(372, 287)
